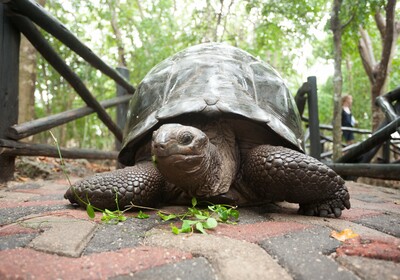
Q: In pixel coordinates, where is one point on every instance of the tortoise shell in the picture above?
(211, 79)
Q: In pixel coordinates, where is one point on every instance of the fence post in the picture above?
(315, 135)
(121, 108)
(9, 63)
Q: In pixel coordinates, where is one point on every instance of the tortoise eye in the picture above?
(185, 138)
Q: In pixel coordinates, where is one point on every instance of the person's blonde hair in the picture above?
(345, 98)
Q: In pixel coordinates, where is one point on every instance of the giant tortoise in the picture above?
(215, 123)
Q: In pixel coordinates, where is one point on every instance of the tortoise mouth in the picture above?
(177, 166)
(174, 150)
(175, 159)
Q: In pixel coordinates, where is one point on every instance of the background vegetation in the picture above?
(293, 36)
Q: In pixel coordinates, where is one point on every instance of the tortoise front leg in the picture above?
(278, 173)
(141, 184)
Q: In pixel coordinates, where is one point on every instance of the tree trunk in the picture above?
(378, 71)
(27, 79)
(337, 79)
(117, 32)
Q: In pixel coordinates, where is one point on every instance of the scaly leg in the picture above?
(141, 184)
(277, 173)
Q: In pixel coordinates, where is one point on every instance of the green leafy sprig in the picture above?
(108, 216)
(200, 220)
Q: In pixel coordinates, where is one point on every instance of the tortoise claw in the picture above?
(323, 213)
(323, 209)
(337, 212)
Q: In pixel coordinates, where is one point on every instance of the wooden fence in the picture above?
(22, 16)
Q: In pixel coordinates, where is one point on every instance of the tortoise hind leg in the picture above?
(140, 184)
(277, 173)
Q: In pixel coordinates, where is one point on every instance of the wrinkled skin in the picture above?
(208, 164)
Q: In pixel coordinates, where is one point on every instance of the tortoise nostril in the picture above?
(159, 146)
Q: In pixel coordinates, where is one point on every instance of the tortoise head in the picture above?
(179, 150)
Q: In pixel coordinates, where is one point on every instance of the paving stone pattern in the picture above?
(43, 237)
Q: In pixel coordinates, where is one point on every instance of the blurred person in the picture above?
(348, 119)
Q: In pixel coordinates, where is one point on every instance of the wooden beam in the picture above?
(53, 26)
(14, 148)
(35, 37)
(9, 61)
(376, 139)
(345, 128)
(122, 109)
(371, 170)
(26, 129)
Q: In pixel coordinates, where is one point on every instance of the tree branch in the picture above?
(387, 44)
(367, 55)
(226, 18)
(219, 17)
(380, 23)
(344, 25)
(117, 33)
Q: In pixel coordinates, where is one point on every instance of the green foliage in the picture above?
(90, 211)
(275, 31)
(225, 212)
(355, 82)
(113, 216)
(142, 215)
(196, 219)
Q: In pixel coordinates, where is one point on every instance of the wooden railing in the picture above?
(356, 160)
(22, 16)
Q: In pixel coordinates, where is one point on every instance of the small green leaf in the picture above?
(142, 215)
(154, 160)
(194, 202)
(200, 217)
(188, 223)
(223, 215)
(234, 213)
(210, 223)
(122, 218)
(187, 226)
(175, 230)
(90, 211)
(166, 217)
(193, 211)
(105, 217)
(108, 212)
(199, 227)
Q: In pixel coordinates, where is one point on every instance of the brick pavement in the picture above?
(43, 237)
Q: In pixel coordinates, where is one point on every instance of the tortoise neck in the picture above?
(213, 173)
(208, 178)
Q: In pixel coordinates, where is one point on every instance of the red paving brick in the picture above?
(258, 231)
(358, 213)
(81, 214)
(65, 181)
(386, 206)
(78, 213)
(375, 249)
(33, 203)
(29, 264)
(41, 191)
(16, 229)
